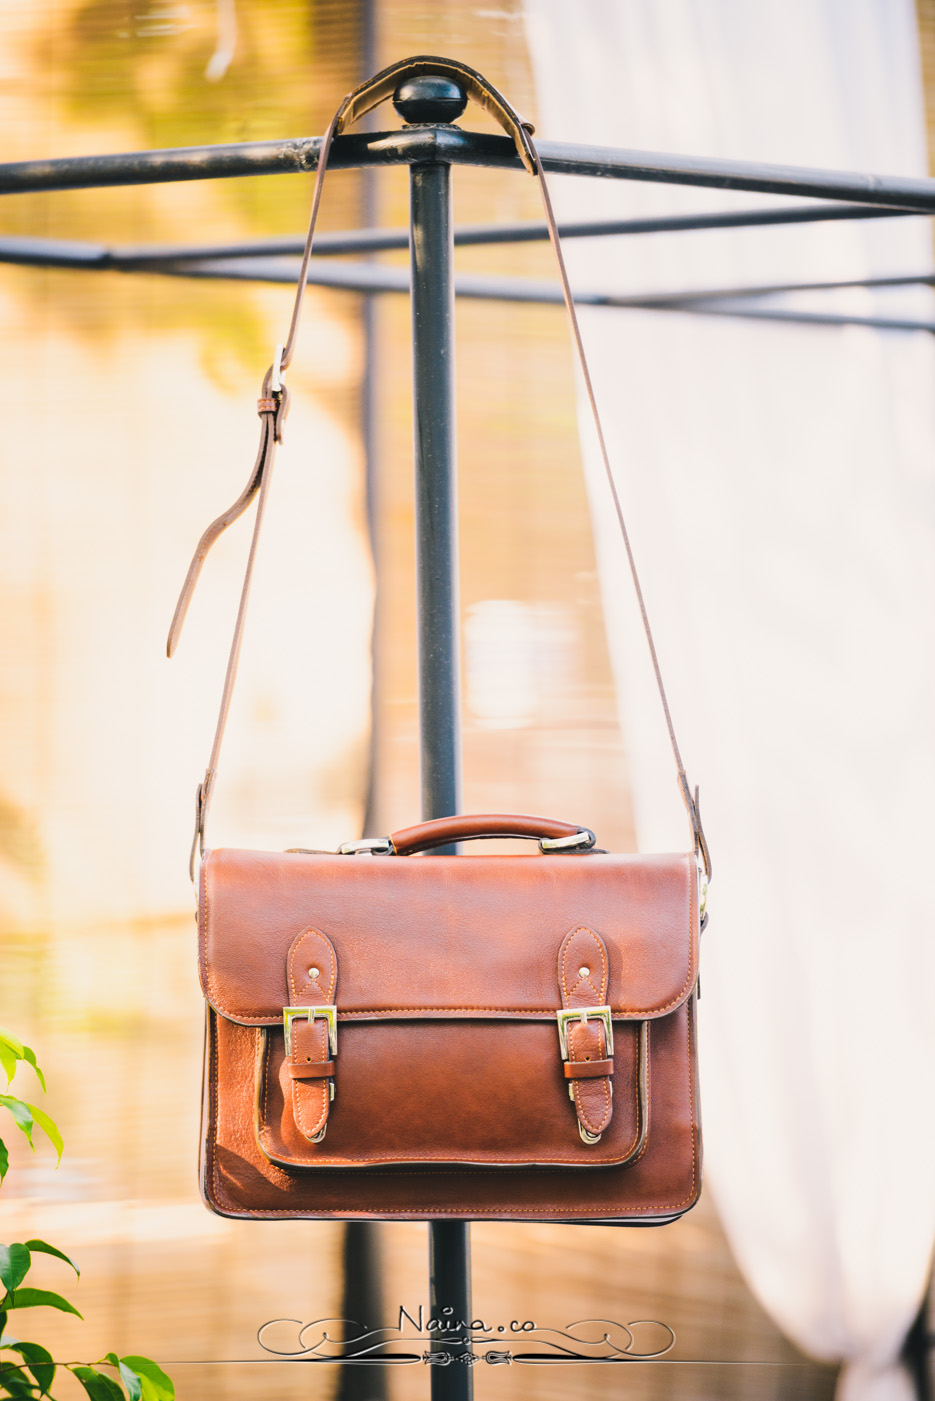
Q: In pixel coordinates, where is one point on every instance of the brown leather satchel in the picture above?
(463, 1036)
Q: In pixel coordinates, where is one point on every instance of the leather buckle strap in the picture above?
(314, 1070)
(310, 1033)
(588, 1070)
(585, 1030)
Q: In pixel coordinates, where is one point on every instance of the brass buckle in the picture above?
(565, 1015)
(330, 1015)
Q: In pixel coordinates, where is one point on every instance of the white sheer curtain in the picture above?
(779, 484)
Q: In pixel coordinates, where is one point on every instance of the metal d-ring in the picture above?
(582, 840)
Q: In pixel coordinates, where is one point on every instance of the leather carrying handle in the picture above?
(479, 826)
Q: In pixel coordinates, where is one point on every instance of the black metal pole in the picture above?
(450, 1298)
(431, 256)
(436, 489)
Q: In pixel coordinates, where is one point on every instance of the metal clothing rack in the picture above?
(431, 150)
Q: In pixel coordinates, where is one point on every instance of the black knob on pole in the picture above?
(429, 98)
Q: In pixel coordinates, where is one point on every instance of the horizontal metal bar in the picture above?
(366, 277)
(804, 318)
(56, 253)
(298, 155)
(202, 261)
(345, 277)
(774, 289)
(395, 240)
(451, 144)
(886, 190)
(534, 232)
(369, 278)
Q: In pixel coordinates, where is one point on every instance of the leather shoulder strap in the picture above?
(273, 404)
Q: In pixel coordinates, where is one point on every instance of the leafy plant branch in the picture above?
(130, 1378)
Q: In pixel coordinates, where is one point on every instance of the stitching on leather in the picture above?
(563, 957)
(213, 1116)
(317, 1094)
(312, 934)
(639, 1126)
(565, 953)
(203, 930)
(321, 1089)
(266, 1082)
(590, 1124)
(546, 1012)
(649, 1062)
(563, 1164)
(260, 1068)
(357, 1015)
(349, 1014)
(603, 955)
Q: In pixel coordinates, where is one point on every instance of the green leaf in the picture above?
(156, 1385)
(14, 1265)
(49, 1128)
(39, 1362)
(16, 1046)
(32, 1298)
(129, 1378)
(26, 1116)
(8, 1060)
(30, 1056)
(12, 1051)
(4, 1160)
(14, 1382)
(98, 1386)
(44, 1248)
(21, 1115)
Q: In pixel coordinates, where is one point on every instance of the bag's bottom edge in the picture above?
(643, 1219)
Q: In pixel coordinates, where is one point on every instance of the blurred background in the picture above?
(129, 424)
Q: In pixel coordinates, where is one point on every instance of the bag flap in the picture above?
(445, 936)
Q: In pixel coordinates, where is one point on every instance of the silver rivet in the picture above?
(314, 972)
(584, 972)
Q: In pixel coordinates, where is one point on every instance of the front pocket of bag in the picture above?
(487, 1092)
